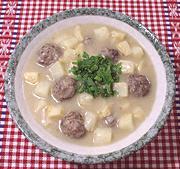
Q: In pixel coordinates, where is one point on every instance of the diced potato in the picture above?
(101, 33)
(57, 70)
(106, 111)
(42, 89)
(137, 52)
(124, 48)
(140, 65)
(31, 77)
(54, 111)
(77, 33)
(118, 35)
(128, 67)
(44, 119)
(70, 42)
(69, 56)
(90, 121)
(125, 105)
(138, 113)
(126, 122)
(40, 105)
(121, 88)
(102, 136)
(80, 48)
(84, 99)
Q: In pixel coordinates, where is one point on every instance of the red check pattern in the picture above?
(162, 17)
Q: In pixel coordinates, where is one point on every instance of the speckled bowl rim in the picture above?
(34, 138)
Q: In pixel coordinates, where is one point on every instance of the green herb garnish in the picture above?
(95, 75)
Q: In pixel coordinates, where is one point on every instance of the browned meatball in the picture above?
(110, 121)
(64, 88)
(48, 54)
(138, 85)
(112, 54)
(72, 125)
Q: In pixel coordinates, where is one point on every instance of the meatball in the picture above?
(110, 121)
(138, 85)
(48, 54)
(63, 88)
(72, 125)
(112, 54)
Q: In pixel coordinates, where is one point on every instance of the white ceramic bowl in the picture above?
(72, 152)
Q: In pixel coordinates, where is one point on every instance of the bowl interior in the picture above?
(84, 150)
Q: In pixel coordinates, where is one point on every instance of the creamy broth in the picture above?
(119, 105)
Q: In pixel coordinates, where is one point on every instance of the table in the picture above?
(161, 17)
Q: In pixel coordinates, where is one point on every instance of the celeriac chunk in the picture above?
(42, 89)
(124, 48)
(69, 42)
(128, 67)
(101, 33)
(121, 88)
(54, 111)
(126, 122)
(69, 56)
(102, 136)
(90, 121)
(118, 35)
(137, 52)
(138, 113)
(80, 48)
(31, 77)
(84, 99)
(57, 70)
(77, 33)
(140, 66)
(105, 111)
(40, 105)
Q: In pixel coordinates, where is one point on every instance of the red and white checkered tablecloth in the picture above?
(162, 17)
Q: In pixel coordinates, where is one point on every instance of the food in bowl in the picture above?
(90, 84)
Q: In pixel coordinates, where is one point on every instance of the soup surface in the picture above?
(60, 95)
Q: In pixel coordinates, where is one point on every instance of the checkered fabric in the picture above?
(162, 17)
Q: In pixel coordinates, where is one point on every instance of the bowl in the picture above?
(84, 154)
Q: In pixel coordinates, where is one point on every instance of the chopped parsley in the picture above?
(95, 75)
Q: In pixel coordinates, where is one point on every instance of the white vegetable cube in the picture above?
(101, 33)
(140, 65)
(40, 105)
(77, 33)
(42, 89)
(118, 35)
(80, 48)
(128, 67)
(124, 48)
(69, 56)
(54, 111)
(137, 52)
(121, 88)
(69, 42)
(126, 122)
(106, 111)
(57, 70)
(31, 77)
(84, 99)
(90, 121)
(102, 136)
(138, 113)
